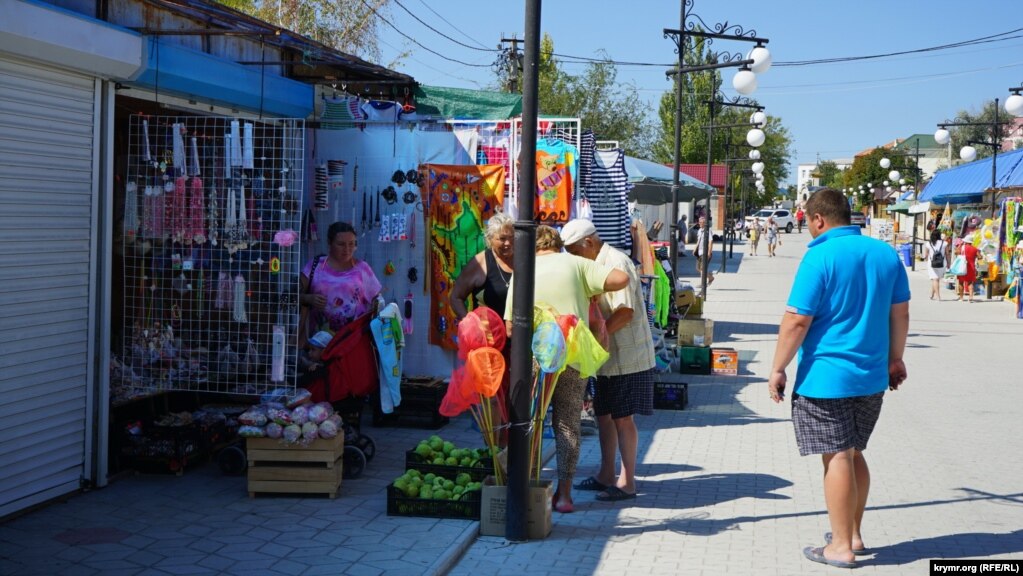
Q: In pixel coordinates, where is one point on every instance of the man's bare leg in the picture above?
(862, 490)
(628, 443)
(842, 500)
(608, 449)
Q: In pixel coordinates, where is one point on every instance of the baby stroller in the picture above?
(347, 378)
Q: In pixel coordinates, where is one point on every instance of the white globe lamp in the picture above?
(758, 118)
(754, 154)
(761, 58)
(1014, 105)
(894, 175)
(757, 167)
(755, 137)
(885, 163)
(968, 153)
(744, 82)
(942, 137)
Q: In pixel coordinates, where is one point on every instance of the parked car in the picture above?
(782, 217)
(858, 219)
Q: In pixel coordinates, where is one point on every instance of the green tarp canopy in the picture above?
(463, 104)
(901, 207)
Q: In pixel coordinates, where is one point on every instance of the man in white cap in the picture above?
(625, 383)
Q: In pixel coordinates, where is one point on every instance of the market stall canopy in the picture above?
(966, 183)
(651, 183)
(459, 103)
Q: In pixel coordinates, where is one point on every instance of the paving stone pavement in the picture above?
(722, 489)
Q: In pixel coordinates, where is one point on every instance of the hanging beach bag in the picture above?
(958, 267)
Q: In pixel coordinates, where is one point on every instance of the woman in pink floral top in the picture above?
(343, 288)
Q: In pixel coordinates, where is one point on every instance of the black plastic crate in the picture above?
(477, 473)
(465, 508)
(671, 395)
(420, 405)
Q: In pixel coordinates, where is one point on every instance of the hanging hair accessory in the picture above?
(406, 320)
(389, 268)
(225, 295)
(398, 178)
(238, 312)
(131, 210)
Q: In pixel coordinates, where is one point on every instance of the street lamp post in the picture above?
(896, 178)
(969, 153)
(758, 61)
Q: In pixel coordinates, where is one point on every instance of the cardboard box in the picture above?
(693, 359)
(685, 297)
(724, 361)
(695, 332)
(538, 511)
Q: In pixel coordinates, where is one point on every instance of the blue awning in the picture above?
(967, 183)
(194, 74)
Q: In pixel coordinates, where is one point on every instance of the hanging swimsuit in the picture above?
(495, 287)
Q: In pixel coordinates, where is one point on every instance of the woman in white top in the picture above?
(936, 252)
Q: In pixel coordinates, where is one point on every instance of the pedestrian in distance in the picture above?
(754, 237)
(848, 316)
(704, 245)
(965, 282)
(936, 252)
(800, 218)
(681, 234)
(771, 230)
(625, 383)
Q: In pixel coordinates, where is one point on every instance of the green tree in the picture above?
(349, 26)
(596, 97)
(961, 135)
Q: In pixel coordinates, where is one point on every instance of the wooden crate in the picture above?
(295, 469)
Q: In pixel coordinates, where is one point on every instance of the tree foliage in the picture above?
(961, 135)
(349, 26)
(612, 110)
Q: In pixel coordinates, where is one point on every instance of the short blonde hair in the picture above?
(497, 223)
(547, 238)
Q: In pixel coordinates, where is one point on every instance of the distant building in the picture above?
(807, 180)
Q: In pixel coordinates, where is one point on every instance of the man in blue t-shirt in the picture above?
(848, 317)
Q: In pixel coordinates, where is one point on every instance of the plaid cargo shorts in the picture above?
(831, 425)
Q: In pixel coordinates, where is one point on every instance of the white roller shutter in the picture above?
(47, 244)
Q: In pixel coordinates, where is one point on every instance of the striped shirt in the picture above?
(608, 195)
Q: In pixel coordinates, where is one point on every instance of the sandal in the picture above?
(564, 508)
(591, 484)
(614, 494)
(860, 552)
(817, 555)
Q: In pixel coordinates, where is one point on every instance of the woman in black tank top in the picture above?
(490, 271)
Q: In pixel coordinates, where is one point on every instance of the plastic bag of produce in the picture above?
(310, 431)
(301, 396)
(274, 430)
(281, 416)
(337, 420)
(249, 431)
(253, 417)
(292, 432)
(318, 413)
(300, 415)
(328, 429)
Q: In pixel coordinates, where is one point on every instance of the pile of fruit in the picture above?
(434, 450)
(414, 484)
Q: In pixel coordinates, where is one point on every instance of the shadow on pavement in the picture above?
(712, 402)
(710, 490)
(657, 468)
(728, 331)
(964, 545)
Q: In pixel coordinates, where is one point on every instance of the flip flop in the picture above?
(817, 555)
(860, 552)
(614, 494)
(591, 484)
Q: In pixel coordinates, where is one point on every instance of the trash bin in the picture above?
(906, 251)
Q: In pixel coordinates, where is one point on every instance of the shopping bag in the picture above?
(958, 266)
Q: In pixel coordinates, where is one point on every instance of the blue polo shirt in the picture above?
(848, 283)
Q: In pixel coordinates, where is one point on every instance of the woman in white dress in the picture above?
(937, 254)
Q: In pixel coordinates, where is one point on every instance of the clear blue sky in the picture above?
(832, 109)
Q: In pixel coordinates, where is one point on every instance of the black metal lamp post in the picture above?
(968, 153)
(688, 27)
(917, 172)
